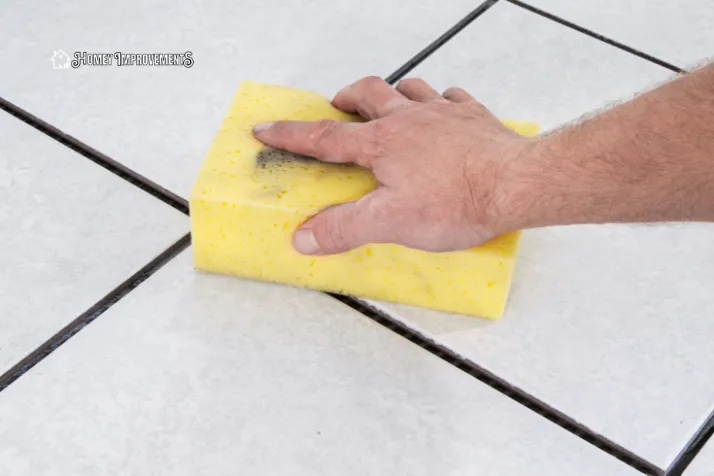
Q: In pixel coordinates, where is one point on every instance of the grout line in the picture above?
(598, 36)
(439, 42)
(704, 434)
(87, 317)
(503, 387)
(97, 157)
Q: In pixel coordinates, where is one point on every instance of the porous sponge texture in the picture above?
(248, 200)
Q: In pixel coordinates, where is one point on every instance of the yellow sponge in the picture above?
(248, 200)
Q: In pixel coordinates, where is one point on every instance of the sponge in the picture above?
(249, 199)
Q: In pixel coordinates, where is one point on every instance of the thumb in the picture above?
(339, 228)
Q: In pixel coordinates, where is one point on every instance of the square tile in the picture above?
(677, 32)
(202, 374)
(160, 121)
(703, 463)
(611, 325)
(71, 232)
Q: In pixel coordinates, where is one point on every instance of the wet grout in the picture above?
(87, 317)
(597, 36)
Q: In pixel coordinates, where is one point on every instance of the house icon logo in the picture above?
(60, 60)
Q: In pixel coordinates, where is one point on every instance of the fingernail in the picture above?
(262, 126)
(304, 241)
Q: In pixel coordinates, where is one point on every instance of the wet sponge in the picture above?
(249, 199)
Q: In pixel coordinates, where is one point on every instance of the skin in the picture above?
(452, 176)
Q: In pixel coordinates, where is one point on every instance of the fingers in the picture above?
(370, 97)
(329, 141)
(458, 95)
(344, 227)
(417, 90)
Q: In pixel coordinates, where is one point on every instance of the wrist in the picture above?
(518, 195)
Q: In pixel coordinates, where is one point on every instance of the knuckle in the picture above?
(321, 131)
(479, 108)
(331, 233)
(322, 128)
(386, 213)
(413, 82)
(371, 82)
(456, 92)
(384, 130)
(376, 142)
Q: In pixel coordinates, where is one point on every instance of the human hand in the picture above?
(442, 162)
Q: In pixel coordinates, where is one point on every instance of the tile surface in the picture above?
(611, 325)
(608, 324)
(677, 32)
(703, 464)
(160, 120)
(71, 232)
(202, 374)
(524, 67)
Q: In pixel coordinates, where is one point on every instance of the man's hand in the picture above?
(441, 161)
(453, 177)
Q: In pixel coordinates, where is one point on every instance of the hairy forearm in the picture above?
(647, 160)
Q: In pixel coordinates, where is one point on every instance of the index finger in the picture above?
(326, 140)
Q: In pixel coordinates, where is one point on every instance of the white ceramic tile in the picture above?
(161, 120)
(70, 233)
(679, 32)
(522, 66)
(703, 463)
(613, 324)
(203, 374)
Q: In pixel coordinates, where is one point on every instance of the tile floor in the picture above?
(196, 374)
